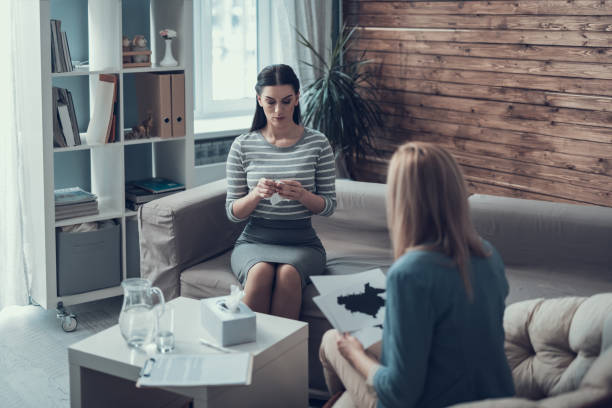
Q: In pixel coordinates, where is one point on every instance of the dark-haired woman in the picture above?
(278, 175)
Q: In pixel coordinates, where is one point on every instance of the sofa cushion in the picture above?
(551, 344)
(530, 283)
(208, 279)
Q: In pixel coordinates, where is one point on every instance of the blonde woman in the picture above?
(443, 338)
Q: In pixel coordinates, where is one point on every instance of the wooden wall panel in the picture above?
(519, 91)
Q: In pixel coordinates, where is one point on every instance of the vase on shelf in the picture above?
(168, 60)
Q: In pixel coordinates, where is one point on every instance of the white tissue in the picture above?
(233, 300)
(275, 199)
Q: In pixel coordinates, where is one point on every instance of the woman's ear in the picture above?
(297, 99)
(259, 101)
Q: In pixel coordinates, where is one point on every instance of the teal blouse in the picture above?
(440, 348)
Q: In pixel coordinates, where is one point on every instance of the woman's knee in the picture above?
(328, 345)
(288, 277)
(262, 273)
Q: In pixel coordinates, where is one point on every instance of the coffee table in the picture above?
(103, 369)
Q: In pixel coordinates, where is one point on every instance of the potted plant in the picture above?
(341, 101)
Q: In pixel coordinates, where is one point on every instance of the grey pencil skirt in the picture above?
(292, 242)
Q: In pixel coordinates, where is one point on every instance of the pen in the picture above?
(211, 345)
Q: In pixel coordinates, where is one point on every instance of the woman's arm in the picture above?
(325, 179)
(239, 202)
(243, 207)
(323, 200)
(407, 334)
(408, 330)
(293, 190)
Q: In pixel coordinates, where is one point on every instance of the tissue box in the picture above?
(226, 327)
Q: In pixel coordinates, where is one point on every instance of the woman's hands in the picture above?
(287, 189)
(352, 350)
(290, 189)
(349, 346)
(265, 188)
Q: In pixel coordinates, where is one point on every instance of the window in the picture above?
(225, 56)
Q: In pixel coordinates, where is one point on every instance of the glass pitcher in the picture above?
(138, 317)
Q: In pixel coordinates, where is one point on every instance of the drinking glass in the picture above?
(165, 331)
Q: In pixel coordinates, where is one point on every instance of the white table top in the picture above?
(108, 352)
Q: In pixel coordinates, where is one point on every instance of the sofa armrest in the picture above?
(181, 230)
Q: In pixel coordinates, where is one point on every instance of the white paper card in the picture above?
(191, 370)
(329, 283)
(355, 306)
(369, 335)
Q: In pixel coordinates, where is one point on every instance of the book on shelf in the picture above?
(65, 126)
(82, 213)
(60, 52)
(140, 196)
(58, 135)
(73, 195)
(102, 124)
(67, 97)
(159, 185)
(62, 110)
(56, 65)
(68, 208)
(66, 50)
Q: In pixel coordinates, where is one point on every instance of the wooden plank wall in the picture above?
(520, 91)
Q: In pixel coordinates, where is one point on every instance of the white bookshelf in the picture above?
(105, 168)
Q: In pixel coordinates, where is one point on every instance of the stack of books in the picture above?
(60, 53)
(74, 202)
(140, 192)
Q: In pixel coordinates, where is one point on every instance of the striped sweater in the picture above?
(310, 161)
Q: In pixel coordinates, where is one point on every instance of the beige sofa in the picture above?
(550, 249)
(559, 352)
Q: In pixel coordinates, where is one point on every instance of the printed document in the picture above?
(191, 370)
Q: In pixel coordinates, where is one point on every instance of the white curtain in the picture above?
(13, 272)
(312, 18)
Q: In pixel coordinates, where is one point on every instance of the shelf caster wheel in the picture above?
(67, 320)
(69, 323)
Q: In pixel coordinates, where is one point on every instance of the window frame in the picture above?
(204, 105)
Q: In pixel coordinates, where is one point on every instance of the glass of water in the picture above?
(165, 331)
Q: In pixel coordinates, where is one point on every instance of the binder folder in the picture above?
(155, 102)
(178, 104)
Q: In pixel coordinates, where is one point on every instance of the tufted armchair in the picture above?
(558, 350)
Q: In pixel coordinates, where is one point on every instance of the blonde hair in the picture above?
(427, 206)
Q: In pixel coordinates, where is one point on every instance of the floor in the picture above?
(33, 351)
(34, 356)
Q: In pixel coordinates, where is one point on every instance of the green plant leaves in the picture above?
(342, 102)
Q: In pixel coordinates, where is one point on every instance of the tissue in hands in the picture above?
(276, 198)
(228, 320)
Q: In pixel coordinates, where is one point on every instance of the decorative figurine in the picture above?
(139, 43)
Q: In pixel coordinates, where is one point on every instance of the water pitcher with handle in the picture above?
(139, 315)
